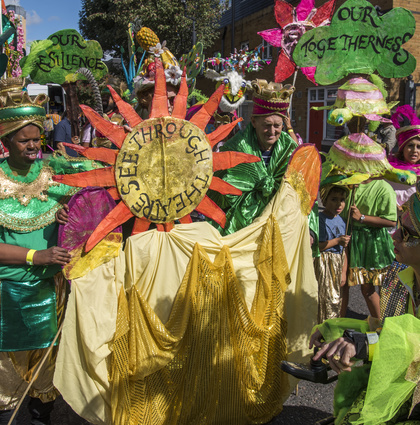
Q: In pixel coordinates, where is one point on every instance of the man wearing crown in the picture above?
(263, 137)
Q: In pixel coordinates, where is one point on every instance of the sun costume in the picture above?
(31, 297)
(186, 325)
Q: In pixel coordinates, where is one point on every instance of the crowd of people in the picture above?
(368, 235)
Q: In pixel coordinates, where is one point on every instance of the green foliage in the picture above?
(107, 21)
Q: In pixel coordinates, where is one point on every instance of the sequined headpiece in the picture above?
(17, 109)
(271, 98)
(414, 209)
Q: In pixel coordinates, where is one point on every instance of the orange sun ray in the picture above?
(119, 215)
(160, 98)
(165, 227)
(180, 102)
(203, 116)
(113, 132)
(223, 187)
(113, 191)
(125, 109)
(99, 154)
(230, 159)
(211, 210)
(221, 132)
(140, 225)
(101, 177)
(186, 219)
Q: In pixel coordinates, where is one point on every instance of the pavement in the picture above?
(308, 404)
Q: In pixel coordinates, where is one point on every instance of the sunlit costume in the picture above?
(257, 181)
(186, 326)
(385, 390)
(31, 297)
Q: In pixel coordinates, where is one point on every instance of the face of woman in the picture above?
(406, 242)
(411, 151)
(24, 147)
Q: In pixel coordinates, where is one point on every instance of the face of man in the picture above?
(24, 147)
(268, 129)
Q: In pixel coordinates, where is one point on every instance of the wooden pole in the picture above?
(35, 375)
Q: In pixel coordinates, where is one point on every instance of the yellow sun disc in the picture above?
(164, 169)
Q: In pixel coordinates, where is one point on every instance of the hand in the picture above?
(50, 256)
(287, 121)
(355, 214)
(62, 216)
(338, 353)
(343, 240)
(316, 339)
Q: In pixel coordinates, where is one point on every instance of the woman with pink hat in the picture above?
(407, 124)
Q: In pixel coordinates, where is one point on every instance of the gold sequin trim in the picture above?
(297, 181)
(24, 192)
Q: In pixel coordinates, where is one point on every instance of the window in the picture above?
(325, 96)
(267, 52)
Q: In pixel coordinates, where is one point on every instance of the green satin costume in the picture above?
(258, 182)
(28, 318)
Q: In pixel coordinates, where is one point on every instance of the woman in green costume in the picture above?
(385, 390)
(32, 287)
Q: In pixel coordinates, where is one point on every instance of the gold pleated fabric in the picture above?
(17, 368)
(328, 268)
(158, 334)
(229, 356)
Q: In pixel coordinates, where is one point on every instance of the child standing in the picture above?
(371, 249)
(331, 266)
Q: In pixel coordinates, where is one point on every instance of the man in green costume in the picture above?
(32, 287)
(263, 137)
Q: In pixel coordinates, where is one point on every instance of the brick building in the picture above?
(251, 16)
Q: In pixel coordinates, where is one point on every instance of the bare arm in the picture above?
(16, 255)
(370, 220)
(341, 240)
(289, 128)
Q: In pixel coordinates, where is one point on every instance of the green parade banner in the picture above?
(64, 54)
(359, 41)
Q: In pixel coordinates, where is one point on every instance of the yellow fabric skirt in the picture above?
(189, 327)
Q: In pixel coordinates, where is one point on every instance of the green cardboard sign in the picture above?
(64, 54)
(359, 41)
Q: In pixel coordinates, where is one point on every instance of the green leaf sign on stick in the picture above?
(68, 52)
(359, 41)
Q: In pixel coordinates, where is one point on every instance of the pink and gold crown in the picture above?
(17, 109)
(271, 98)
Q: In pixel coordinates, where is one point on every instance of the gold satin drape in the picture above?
(189, 327)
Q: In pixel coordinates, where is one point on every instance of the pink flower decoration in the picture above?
(294, 22)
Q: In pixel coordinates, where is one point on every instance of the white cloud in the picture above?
(54, 18)
(32, 18)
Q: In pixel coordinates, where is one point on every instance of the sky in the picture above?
(44, 17)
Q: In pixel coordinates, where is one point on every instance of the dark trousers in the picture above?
(40, 413)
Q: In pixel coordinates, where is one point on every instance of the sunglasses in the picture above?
(406, 235)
